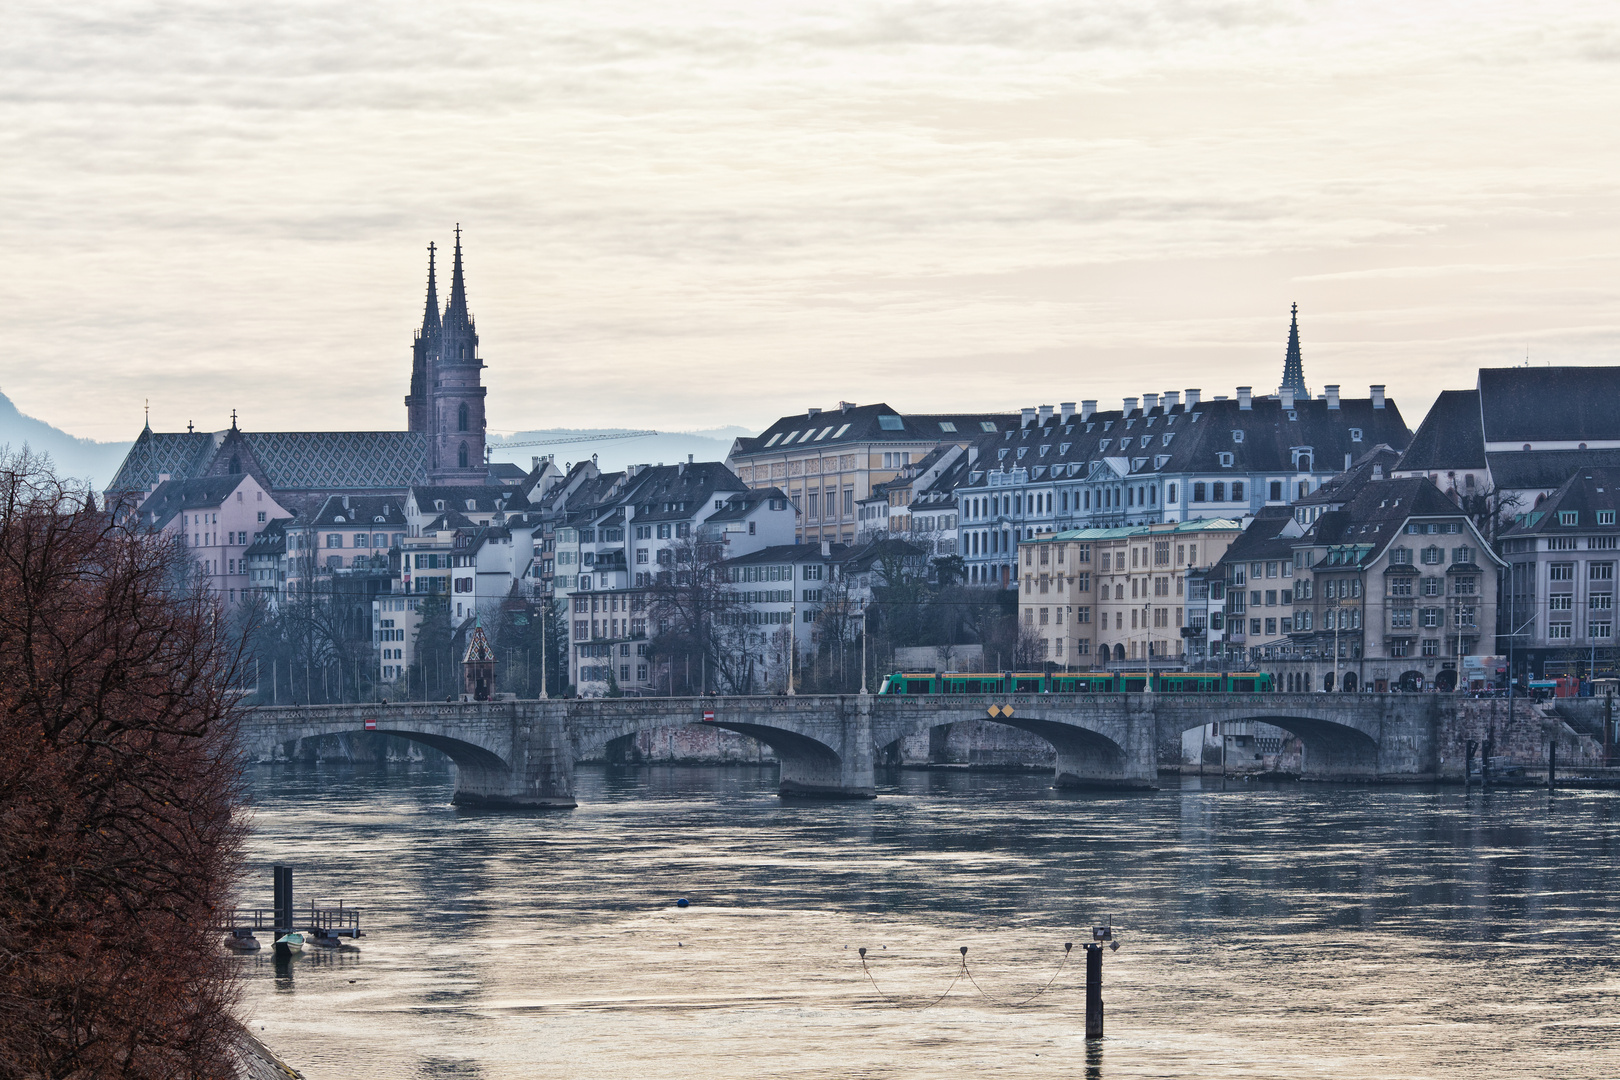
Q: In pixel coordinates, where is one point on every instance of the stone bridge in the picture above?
(522, 753)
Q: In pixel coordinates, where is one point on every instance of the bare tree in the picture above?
(119, 791)
(691, 608)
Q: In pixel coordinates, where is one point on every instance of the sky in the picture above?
(684, 216)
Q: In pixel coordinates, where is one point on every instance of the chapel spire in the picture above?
(430, 314)
(1293, 377)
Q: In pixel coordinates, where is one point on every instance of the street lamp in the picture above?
(863, 647)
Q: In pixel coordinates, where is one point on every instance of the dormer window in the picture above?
(1108, 425)
(1125, 443)
(1130, 423)
(1195, 416)
(1237, 435)
(1045, 448)
(1102, 447)
(1355, 434)
(1293, 415)
(772, 440)
(1001, 455)
(1167, 436)
(1226, 459)
(1063, 448)
(1089, 427)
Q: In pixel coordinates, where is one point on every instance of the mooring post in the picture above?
(1485, 763)
(283, 899)
(1468, 762)
(1552, 763)
(1094, 1004)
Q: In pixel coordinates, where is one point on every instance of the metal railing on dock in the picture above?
(339, 921)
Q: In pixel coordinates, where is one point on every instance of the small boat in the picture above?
(293, 942)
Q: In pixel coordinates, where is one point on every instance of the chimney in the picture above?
(1245, 397)
(826, 549)
(1066, 411)
(812, 413)
(534, 463)
(1172, 398)
(1046, 414)
(1086, 409)
(1150, 402)
(1287, 395)
(689, 459)
(1378, 395)
(345, 502)
(1130, 405)
(1193, 397)
(1029, 417)
(1378, 471)
(845, 406)
(1332, 393)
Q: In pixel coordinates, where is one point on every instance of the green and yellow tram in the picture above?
(914, 683)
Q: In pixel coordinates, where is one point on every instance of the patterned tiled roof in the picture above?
(338, 460)
(180, 454)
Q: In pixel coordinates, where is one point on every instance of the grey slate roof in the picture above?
(173, 496)
(1451, 437)
(739, 506)
(870, 423)
(785, 553)
(1546, 469)
(1264, 537)
(1550, 404)
(386, 510)
(1585, 493)
(1374, 517)
(1376, 464)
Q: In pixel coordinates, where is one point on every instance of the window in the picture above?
(1600, 571)
(1600, 602)
(1561, 571)
(334, 540)
(1461, 555)
(1276, 491)
(1431, 586)
(1604, 517)
(461, 456)
(1400, 587)
(1355, 434)
(1431, 617)
(1237, 435)
(1569, 517)
(1400, 556)
(1218, 491)
(1560, 602)
(261, 517)
(1198, 493)
(1432, 556)
(1226, 460)
(1431, 647)
(1237, 491)
(1558, 630)
(461, 417)
(1401, 619)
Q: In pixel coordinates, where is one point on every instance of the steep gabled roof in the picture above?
(870, 423)
(1451, 437)
(173, 496)
(1374, 517)
(1586, 494)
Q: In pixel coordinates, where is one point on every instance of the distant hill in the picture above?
(614, 454)
(82, 459)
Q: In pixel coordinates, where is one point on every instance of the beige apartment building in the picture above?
(1101, 597)
(828, 462)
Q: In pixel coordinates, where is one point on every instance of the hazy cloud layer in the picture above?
(688, 215)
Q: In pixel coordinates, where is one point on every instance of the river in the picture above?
(1287, 931)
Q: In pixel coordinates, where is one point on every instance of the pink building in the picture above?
(216, 517)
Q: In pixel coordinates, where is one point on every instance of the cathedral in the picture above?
(443, 443)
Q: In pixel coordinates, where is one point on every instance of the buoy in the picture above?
(1067, 945)
(964, 950)
(863, 952)
(683, 902)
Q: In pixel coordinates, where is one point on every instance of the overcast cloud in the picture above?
(683, 216)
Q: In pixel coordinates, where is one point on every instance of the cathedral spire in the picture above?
(1294, 367)
(457, 309)
(430, 316)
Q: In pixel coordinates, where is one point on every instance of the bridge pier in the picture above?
(538, 771)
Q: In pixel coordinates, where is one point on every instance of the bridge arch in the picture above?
(1333, 748)
(1088, 752)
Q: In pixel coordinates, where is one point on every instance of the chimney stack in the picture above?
(1046, 414)
(1378, 395)
(1194, 396)
(845, 406)
(1066, 411)
(1029, 417)
(812, 412)
(1150, 402)
(1287, 395)
(1332, 395)
(1130, 405)
(1086, 409)
(1245, 397)
(1172, 398)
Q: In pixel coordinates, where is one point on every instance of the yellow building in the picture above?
(1095, 597)
(828, 462)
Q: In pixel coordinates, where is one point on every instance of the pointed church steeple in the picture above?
(1293, 377)
(456, 311)
(430, 315)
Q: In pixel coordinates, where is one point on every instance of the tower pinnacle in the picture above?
(456, 312)
(430, 315)
(1293, 377)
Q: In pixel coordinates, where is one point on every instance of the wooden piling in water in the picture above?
(1094, 1002)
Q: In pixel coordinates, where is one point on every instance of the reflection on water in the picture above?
(1267, 931)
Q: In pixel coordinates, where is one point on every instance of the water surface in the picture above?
(1292, 931)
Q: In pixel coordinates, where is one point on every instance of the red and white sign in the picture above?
(371, 723)
(708, 716)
